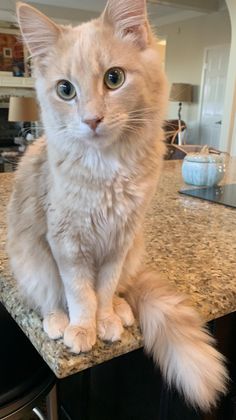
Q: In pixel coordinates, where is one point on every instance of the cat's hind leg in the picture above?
(123, 310)
(130, 270)
(114, 312)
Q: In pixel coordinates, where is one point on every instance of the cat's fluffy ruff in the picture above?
(80, 197)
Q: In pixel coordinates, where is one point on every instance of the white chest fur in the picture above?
(100, 215)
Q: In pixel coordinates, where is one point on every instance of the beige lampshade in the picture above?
(181, 92)
(23, 109)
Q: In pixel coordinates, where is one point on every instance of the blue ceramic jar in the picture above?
(203, 169)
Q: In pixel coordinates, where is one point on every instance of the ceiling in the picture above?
(160, 11)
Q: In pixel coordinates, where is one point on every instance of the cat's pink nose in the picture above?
(93, 122)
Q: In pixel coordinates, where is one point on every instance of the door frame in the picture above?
(202, 83)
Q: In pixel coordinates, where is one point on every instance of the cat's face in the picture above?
(99, 82)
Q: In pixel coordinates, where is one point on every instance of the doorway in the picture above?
(214, 77)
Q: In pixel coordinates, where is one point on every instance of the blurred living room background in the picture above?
(197, 44)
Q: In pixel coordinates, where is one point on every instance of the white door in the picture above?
(212, 95)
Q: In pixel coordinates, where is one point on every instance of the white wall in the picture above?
(186, 42)
(228, 134)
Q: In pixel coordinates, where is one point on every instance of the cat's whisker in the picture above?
(131, 123)
(132, 129)
(140, 114)
(140, 120)
(26, 130)
(56, 127)
(142, 110)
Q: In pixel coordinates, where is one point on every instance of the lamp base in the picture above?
(179, 125)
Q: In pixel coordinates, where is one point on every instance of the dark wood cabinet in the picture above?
(130, 387)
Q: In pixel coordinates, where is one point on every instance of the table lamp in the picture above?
(23, 109)
(181, 92)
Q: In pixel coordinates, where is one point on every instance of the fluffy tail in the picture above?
(179, 343)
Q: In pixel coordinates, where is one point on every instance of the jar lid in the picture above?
(204, 157)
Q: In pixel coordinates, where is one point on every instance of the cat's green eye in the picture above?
(66, 90)
(114, 78)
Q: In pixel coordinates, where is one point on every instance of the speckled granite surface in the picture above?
(190, 241)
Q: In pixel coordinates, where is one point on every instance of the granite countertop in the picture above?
(191, 242)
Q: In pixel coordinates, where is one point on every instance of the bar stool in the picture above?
(25, 379)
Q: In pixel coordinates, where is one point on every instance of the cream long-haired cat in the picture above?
(81, 192)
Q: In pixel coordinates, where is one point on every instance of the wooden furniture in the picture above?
(171, 130)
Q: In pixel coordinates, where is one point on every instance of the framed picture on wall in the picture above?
(7, 52)
(12, 55)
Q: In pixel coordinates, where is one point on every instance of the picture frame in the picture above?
(12, 53)
(7, 52)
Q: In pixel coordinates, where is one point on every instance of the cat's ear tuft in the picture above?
(38, 31)
(129, 19)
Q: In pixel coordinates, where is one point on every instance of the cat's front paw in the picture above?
(79, 338)
(55, 323)
(110, 328)
(123, 310)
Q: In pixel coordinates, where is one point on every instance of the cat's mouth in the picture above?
(93, 136)
(99, 139)
(92, 132)
(103, 135)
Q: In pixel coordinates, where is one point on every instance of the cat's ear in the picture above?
(39, 32)
(129, 19)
